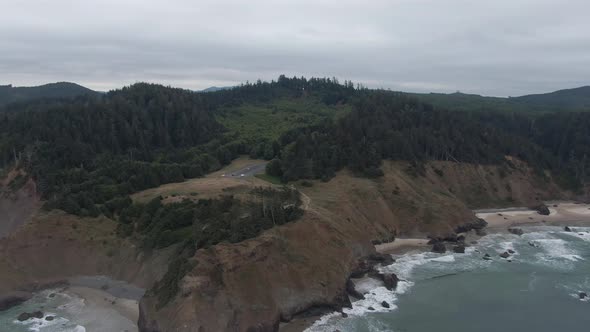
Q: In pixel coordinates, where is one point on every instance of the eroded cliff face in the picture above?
(253, 285)
(54, 246)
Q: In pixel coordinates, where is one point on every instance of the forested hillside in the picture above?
(89, 153)
(385, 125)
(10, 94)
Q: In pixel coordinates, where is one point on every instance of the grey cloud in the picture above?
(505, 47)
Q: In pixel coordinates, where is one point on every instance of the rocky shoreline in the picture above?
(465, 235)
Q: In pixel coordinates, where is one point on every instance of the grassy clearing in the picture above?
(269, 178)
(254, 123)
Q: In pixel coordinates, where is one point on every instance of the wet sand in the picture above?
(108, 305)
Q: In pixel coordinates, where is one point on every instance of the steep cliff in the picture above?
(255, 284)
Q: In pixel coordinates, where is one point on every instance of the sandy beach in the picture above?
(104, 312)
(500, 220)
(401, 245)
(103, 298)
(561, 213)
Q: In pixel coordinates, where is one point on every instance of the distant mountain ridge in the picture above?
(576, 99)
(10, 94)
(216, 88)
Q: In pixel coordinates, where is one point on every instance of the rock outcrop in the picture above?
(459, 249)
(351, 290)
(439, 247)
(516, 231)
(477, 224)
(542, 209)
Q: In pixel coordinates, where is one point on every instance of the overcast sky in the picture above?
(501, 47)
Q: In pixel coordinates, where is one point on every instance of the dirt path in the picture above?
(305, 201)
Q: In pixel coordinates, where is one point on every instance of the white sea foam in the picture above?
(41, 324)
(365, 285)
(373, 300)
(444, 259)
(579, 233)
(404, 265)
(556, 247)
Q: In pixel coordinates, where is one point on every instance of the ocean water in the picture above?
(60, 305)
(73, 313)
(537, 290)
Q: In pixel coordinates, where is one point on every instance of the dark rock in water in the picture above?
(12, 299)
(371, 308)
(344, 315)
(52, 295)
(487, 257)
(351, 290)
(473, 242)
(582, 295)
(516, 231)
(26, 316)
(390, 280)
(439, 247)
(509, 261)
(460, 249)
(49, 318)
(461, 238)
(510, 251)
(533, 244)
(505, 254)
(384, 304)
(480, 232)
(477, 224)
(542, 209)
(567, 229)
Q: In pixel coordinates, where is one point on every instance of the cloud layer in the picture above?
(504, 47)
